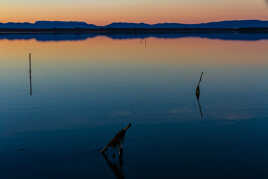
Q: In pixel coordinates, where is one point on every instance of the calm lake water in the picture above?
(84, 92)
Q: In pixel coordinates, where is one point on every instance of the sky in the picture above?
(102, 12)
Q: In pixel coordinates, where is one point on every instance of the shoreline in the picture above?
(121, 34)
(104, 31)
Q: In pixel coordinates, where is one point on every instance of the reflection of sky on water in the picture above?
(83, 91)
(93, 81)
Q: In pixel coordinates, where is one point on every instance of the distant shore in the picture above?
(241, 34)
(134, 30)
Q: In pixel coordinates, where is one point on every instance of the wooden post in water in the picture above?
(197, 91)
(30, 73)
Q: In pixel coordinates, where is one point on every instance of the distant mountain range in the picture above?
(122, 25)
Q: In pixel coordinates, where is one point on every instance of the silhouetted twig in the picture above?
(117, 140)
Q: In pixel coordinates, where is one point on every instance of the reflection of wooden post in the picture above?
(30, 73)
(145, 43)
(200, 109)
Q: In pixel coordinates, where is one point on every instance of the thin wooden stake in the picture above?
(30, 73)
(197, 91)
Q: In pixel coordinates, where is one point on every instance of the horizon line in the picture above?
(167, 22)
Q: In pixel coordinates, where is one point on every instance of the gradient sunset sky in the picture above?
(102, 12)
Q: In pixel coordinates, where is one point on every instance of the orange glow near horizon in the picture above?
(184, 51)
(157, 12)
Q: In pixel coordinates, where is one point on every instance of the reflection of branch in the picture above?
(200, 108)
(116, 170)
(121, 156)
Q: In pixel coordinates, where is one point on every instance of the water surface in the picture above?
(83, 92)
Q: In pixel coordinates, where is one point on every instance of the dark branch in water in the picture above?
(117, 140)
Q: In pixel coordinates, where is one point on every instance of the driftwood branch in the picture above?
(117, 140)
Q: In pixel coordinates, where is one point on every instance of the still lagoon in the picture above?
(84, 91)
